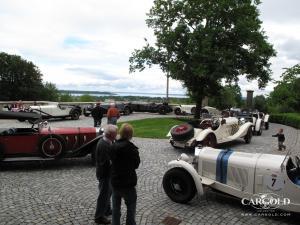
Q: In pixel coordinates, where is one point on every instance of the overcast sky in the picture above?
(85, 45)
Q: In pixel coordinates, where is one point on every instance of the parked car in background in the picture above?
(210, 132)
(161, 108)
(123, 108)
(184, 109)
(265, 181)
(42, 142)
(57, 110)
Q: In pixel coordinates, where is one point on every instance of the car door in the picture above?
(20, 143)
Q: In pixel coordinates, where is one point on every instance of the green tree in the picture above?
(229, 96)
(87, 98)
(260, 103)
(286, 95)
(19, 79)
(49, 93)
(66, 97)
(203, 43)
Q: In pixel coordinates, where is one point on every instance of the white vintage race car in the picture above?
(57, 111)
(258, 119)
(210, 132)
(184, 109)
(265, 181)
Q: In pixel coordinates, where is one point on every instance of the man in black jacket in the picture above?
(103, 173)
(125, 160)
(97, 114)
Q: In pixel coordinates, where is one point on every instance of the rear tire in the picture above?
(179, 185)
(177, 111)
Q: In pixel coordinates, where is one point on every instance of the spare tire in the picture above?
(182, 132)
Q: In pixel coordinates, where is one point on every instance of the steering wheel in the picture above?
(215, 122)
(296, 165)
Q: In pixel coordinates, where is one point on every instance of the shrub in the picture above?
(289, 119)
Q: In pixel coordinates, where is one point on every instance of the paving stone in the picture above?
(65, 191)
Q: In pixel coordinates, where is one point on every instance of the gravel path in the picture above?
(64, 192)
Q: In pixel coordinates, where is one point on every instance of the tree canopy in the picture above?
(202, 43)
(21, 79)
(286, 95)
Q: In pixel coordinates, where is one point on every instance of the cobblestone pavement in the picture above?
(64, 192)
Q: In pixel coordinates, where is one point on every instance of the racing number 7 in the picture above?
(273, 181)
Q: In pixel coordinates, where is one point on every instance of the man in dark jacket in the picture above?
(125, 160)
(97, 114)
(103, 173)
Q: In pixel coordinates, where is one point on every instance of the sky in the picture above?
(85, 45)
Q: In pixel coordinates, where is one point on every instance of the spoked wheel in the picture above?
(210, 141)
(75, 115)
(52, 146)
(179, 185)
(177, 111)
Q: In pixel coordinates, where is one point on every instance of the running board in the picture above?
(14, 159)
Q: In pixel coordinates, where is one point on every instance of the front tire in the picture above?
(52, 146)
(260, 131)
(162, 110)
(248, 136)
(179, 185)
(267, 125)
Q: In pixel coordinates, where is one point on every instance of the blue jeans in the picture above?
(129, 196)
(112, 120)
(103, 201)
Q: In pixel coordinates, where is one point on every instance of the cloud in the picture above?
(85, 45)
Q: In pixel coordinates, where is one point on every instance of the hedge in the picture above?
(289, 119)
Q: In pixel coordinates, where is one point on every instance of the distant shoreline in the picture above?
(120, 93)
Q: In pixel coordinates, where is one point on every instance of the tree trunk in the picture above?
(198, 107)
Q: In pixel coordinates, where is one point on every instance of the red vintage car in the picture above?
(43, 142)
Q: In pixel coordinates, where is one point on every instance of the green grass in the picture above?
(153, 128)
